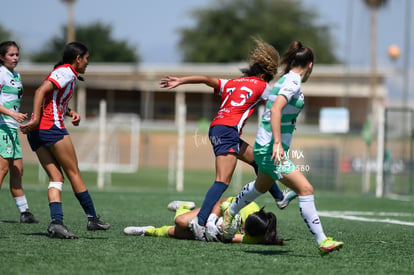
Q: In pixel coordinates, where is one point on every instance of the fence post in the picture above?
(379, 191)
(101, 149)
(180, 104)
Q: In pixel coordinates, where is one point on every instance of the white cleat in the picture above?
(174, 205)
(288, 196)
(199, 231)
(136, 230)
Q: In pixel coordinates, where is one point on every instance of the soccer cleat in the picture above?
(136, 230)
(288, 196)
(94, 223)
(233, 229)
(174, 205)
(328, 245)
(198, 230)
(57, 230)
(228, 218)
(27, 217)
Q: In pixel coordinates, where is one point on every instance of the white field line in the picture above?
(355, 216)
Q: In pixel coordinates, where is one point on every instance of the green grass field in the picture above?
(378, 236)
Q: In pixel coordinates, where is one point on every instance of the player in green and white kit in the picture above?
(273, 139)
(11, 92)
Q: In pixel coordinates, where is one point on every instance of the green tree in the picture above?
(97, 37)
(223, 30)
(4, 34)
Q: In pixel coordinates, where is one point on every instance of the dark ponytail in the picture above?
(71, 52)
(296, 56)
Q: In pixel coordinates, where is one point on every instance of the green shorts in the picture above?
(9, 143)
(262, 157)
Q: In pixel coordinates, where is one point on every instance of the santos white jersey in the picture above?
(288, 86)
(11, 92)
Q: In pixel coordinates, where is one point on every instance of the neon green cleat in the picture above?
(233, 229)
(228, 218)
(328, 245)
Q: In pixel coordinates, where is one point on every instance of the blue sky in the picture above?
(153, 25)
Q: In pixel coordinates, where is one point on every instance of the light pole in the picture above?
(407, 35)
(70, 37)
(373, 5)
(70, 28)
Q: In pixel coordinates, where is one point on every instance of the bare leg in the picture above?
(16, 172)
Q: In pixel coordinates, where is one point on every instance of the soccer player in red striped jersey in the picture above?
(50, 140)
(239, 97)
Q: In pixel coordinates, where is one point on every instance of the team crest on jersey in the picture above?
(9, 149)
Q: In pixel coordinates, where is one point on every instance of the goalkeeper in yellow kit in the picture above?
(252, 225)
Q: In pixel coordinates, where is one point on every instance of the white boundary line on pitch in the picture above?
(352, 215)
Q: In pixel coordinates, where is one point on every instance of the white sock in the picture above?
(21, 203)
(310, 216)
(246, 196)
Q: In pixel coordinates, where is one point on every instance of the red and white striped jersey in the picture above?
(239, 97)
(55, 104)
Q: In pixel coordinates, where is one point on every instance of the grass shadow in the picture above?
(36, 234)
(268, 252)
(45, 234)
(1, 221)
(289, 253)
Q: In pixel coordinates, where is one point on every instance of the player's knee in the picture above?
(305, 190)
(4, 170)
(181, 221)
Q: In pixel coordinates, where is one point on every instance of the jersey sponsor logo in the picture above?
(19, 92)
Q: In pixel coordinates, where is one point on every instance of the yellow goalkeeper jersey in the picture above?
(244, 213)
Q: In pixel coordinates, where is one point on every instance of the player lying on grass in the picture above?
(252, 225)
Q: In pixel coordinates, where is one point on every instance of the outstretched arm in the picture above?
(170, 82)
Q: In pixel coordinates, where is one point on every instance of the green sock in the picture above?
(159, 231)
(184, 208)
